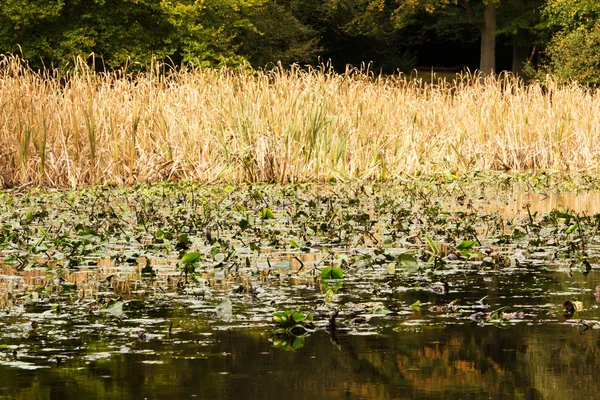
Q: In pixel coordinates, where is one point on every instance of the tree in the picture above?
(520, 20)
(206, 32)
(53, 32)
(133, 32)
(574, 50)
(278, 36)
(356, 31)
(484, 14)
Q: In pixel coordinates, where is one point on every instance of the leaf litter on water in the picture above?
(100, 251)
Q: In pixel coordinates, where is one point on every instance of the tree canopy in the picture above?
(490, 35)
(574, 49)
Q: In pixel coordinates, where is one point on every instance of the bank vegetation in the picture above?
(80, 127)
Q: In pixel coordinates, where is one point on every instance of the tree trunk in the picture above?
(487, 60)
(520, 53)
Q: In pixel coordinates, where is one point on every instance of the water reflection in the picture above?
(416, 353)
(451, 362)
(121, 335)
(580, 202)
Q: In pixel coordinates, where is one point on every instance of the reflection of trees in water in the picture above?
(565, 365)
(448, 363)
(454, 361)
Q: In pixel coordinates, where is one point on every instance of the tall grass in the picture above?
(78, 127)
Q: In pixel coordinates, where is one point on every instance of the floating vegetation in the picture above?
(159, 269)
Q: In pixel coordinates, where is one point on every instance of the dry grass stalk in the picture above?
(82, 127)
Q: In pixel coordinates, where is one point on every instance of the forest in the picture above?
(532, 38)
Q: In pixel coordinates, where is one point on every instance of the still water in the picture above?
(451, 362)
(484, 326)
(424, 353)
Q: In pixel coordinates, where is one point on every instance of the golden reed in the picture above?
(79, 127)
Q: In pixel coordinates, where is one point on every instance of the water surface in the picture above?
(96, 302)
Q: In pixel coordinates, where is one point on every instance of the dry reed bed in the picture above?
(83, 127)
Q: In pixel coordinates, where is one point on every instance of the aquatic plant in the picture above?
(293, 323)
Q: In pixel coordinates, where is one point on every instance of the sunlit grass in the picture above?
(80, 127)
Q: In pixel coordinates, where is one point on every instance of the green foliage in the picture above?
(575, 55)
(55, 32)
(293, 323)
(262, 33)
(355, 31)
(332, 273)
(288, 342)
(207, 33)
(574, 50)
(520, 20)
(572, 14)
(277, 36)
(191, 258)
(408, 261)
(266, 213)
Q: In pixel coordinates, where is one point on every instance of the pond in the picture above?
(447, 288)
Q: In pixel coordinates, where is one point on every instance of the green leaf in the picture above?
(497, 313)
(67, 286)
(298, 317)
(433, 245)
(408, 261)
(215, 250)
(337, 273)
(328, 295)
(333, 285)
(115, 309)
(391, 268)
(518, 234)
(326, 272)
(294, 244)
(135, 305)
(572, 228)
(266, 213)
(332, 273)
(191, 258)
(416, 305)
(184, 239)
(298, 343)
(280, 318)
(466, 245)
(387, 242)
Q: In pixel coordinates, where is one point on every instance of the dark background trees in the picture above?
(489, 35)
